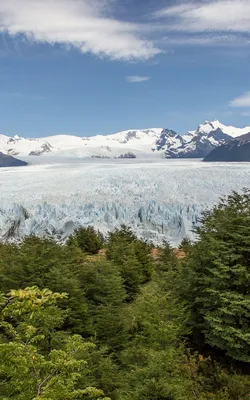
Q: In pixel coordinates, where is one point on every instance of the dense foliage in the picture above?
(87, 239)
(130, 322)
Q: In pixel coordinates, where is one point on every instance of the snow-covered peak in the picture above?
(197, 144)
(169, 142)
(136, 136)
(189, 136)
(206, 127)
(139, 142)
(232, 131)
(3, 140)
(146, 136)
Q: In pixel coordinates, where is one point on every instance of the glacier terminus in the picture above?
(158, 198)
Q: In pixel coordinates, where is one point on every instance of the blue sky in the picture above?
(84, 68)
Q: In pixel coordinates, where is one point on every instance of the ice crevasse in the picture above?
(157, 199)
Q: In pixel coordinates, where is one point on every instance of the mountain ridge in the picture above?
(165, 143)
(9, 161)
(235, 150)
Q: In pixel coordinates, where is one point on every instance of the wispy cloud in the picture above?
(92, 27)
(210, 22)
(19, 95)
(83, 24)
(207, 39)
(137, 79)
(241, 101)
(219, 15)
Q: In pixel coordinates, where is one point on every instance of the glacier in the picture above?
(158, 199)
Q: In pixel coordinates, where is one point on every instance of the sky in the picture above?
(86, 67)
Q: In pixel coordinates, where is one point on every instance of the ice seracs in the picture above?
(159, 200)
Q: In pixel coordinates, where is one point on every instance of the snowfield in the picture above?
(157, 198)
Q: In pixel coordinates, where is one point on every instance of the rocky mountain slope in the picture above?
(199, 143)
(9, 161)
(157, 142)
(237, 149)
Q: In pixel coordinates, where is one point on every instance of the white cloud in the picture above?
(207, 39)
(82, 24)
(241, 101)
(219, 15)
(137, 79)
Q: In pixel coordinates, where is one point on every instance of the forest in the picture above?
(115, 318)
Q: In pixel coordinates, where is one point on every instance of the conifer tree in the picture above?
(88, 239)
(219, 268)
(132, 257)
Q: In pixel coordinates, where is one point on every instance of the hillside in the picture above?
(9, 161)
(237, 149)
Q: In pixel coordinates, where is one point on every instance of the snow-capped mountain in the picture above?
(200, 144)
(157, 142)
(208, 126)
(208, 136)
(169, 142)
(24, 147)
(132, 141)
(228, 130)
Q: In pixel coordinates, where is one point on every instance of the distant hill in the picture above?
(9, 161)
(237, 149)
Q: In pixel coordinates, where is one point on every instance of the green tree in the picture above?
(186, 245)
(88, 239)
(211, 380)
(27, 371)
(43, 262)
(31, 260)
(166, 259)
(10, 271)
(104, 291)
(218, 268)
(154, 357)
(132, 256)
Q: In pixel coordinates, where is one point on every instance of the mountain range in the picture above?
(164, 143)
(237, 149)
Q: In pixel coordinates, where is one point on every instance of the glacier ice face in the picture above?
(153, 221)
(157, 198)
